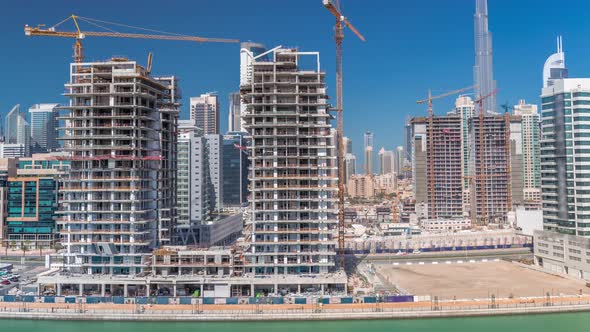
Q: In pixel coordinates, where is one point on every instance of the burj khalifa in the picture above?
(483, 71)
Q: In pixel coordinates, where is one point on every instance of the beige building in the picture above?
(385, 183)
(361, 186)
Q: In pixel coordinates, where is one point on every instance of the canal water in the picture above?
(537, 323)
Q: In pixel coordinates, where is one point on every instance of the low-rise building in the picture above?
(563, 253)
(445, 225)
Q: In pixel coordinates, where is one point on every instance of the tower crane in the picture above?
(431, 178)
(341, 21)
(79, 35)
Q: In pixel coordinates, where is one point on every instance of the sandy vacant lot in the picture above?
(477, 280)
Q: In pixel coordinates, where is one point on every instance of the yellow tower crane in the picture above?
(338, 37)
(79, 35)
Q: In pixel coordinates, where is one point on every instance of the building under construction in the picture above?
(438, 164)
(118, 198)
(292, 227)
(494, 161)
(495, 166)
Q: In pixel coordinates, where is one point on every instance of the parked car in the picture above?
(5, 282)
(13, 279)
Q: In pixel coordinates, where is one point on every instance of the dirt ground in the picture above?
(478, 280)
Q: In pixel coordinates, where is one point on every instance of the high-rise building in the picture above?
(554, 68)
(117, 135)
(531, 152)
(362, 186)
(400, 155)
(386, 161)
(465, 109)
(347, 143)
(483, 71)
(235, 169)
(437, 175)
(234, 120)
(18, 130)
(292, 224)
(368, 137)
(408, 134)
(369, 159)
(564, 164)
(496, 167)
(44, 127)
(204, 112)
(214, 170)
(349, 166)
(563, 243)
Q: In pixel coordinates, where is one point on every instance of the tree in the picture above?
(12, 245)
(24, 246)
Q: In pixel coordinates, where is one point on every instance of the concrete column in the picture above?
(81, 290)
(103, 290)
(252, 291)
(58, 290)
(322, 286)
(298, 289)
(174, 289)
(201, 293)
(125, 290)
(276, 288)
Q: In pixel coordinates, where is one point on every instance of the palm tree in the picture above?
(12, 245)
(24, 246)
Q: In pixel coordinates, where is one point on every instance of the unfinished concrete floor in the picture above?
(477, 280)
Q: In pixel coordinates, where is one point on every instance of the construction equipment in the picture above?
(479, 102)
(431, 98)
(431, 178)
(78, 35)
(338, 37)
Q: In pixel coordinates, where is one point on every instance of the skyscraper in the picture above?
(249, 53)
(18, 130)
(235, 169)
(292, 226)
(386, 161)
(400, 155)
(483, 71)
(44, 127)
(369, 159)
(347, 145)
(204, 112)
(369, 154)
(349, 166)
(530, 152)
(234, 120)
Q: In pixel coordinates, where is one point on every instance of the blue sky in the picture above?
(412, 45)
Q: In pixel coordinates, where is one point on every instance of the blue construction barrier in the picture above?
(370, 299)
(28, 298)
(185, 300)
(9, 298)
(208, 300)
(346, 300)
(277, 300)
(324, 300)
(70, 300)
(300, 300)
(118, 300)
(49, 299)
(231, 300)
(398, 298)
(163, 300)
(141, 300)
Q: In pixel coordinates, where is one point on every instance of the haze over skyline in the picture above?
(406, 44)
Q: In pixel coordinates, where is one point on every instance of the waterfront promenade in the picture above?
(316, 311)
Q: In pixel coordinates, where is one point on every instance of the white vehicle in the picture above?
(416, 251)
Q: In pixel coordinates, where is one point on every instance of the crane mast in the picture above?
(338, 38)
